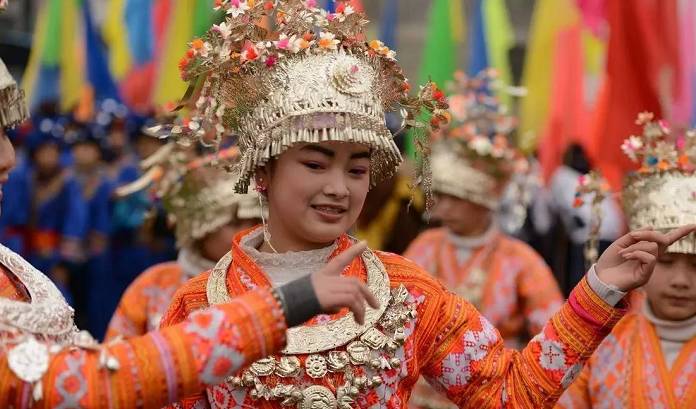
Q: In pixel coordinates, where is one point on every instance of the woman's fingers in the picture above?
(664, 240)
(358, 295)
(647, 259)
(647, 246)
(365, 292)
(339, 263)
(649, 235)
(679, 233)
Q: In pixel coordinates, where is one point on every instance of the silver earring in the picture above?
(266, 232)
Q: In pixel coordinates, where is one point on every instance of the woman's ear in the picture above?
(262, 179)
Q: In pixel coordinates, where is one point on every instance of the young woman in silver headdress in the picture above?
(45, 362)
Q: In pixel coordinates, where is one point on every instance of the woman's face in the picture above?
(7, 159)
(671, 290)
(461, 217)
(315, 193)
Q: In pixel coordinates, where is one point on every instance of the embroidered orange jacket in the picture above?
(516, 292)
(157, 368)
(448, 342)
(144, 302)
(628, 370)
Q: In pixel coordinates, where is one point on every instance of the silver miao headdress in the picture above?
(662, 193)
(13, 108)
(312, 79)
(196, 194)
(473, 158)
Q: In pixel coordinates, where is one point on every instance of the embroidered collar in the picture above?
(675, 331)
(284, 267)
(473, 242)
(192, 263)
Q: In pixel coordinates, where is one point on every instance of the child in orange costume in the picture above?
(207, 212)
(472, 164)
(649, 359)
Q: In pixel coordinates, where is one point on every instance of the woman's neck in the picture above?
(279, 242)
(287, 265)
(678, 331)
(475, 240)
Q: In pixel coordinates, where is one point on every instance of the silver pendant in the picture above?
(29, 361)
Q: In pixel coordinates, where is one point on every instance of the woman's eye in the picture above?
(358, 171)
(313, 165)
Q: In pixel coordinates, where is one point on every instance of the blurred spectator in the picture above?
(573, 230)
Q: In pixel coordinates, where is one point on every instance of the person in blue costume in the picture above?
(132, 248)
(53, 226)
(93, 280)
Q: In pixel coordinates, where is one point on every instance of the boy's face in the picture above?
(86, 154)
(47, 157)
(462, 217)
(671, 290)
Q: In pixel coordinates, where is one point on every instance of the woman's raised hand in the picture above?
(335, 292)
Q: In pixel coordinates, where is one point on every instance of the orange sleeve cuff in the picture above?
(585, 319)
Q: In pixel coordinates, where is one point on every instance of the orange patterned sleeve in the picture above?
(469, 363)
(577, 396)
(160, 367)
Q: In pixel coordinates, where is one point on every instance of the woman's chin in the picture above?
(324, 234)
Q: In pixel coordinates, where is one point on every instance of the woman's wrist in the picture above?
(299, 301)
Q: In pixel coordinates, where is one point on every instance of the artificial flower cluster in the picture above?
(658, 148)
(476, 108)
(302, 27)
(591, 183)
(482, 124)
(242, 43)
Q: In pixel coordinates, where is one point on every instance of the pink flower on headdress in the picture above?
(583, 180)
(237, 7)
(292, 44)
(271, 60)
(631, 146)
(644, 118)
(328, 41)
(663, 126)
(283, 42)
(249, 53)
(311, 4)
(223, 29)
